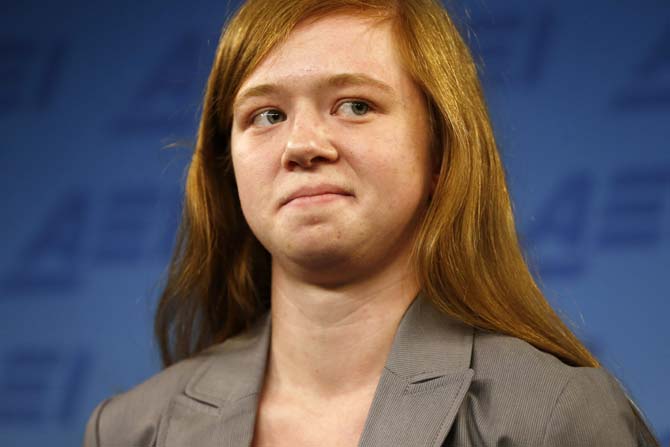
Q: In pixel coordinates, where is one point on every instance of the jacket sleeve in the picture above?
(92, 436)
(591, 410)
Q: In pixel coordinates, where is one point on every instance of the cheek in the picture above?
(398, 162)
(418, 155)
(252, 198)
(249, 178)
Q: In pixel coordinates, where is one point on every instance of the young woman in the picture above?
(347, 271)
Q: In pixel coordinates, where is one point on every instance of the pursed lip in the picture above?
(315, 190)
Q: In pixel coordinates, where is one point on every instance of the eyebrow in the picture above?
(339, 80)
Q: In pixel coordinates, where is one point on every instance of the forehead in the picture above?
(333, 45)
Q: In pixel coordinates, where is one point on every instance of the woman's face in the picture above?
(330, 147)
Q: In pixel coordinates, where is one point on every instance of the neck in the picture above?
(334, 342)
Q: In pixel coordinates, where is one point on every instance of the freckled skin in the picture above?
(381, 157)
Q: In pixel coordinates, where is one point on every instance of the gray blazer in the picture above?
(444, 384)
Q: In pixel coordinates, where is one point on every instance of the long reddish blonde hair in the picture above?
(467, 254)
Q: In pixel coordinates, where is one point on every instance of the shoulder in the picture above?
(132, 417)
(533, 398)
(224, 372)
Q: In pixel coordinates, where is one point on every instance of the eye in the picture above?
(354, 108)
(268, 117)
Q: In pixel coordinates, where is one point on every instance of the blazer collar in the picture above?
(424, 381)
(235, 368)
(427, 341)
(426, 376)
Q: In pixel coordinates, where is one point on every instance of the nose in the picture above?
(308, 143)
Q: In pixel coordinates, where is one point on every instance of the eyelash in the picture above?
(370, 108)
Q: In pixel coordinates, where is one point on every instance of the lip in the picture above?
(314, 191)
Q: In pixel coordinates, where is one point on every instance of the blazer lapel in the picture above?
(424, 381)
(220, 401)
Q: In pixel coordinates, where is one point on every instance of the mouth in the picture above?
(315, 194)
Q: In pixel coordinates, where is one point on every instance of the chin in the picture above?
(315, 257)
(322, 262)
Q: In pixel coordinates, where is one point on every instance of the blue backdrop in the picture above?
(92, 94)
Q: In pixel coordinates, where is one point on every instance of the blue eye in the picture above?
(355, 108)
(268, 118)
